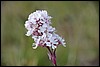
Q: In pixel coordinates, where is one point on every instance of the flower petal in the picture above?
(34, 46)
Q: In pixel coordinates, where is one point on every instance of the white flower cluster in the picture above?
(38, 25)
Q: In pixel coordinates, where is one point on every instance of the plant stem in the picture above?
(55, 57)
(52, 56)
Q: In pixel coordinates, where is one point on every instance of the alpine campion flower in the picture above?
(38, 26)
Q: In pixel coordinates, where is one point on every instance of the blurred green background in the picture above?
(77, 22)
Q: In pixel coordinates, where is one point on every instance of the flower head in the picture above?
(38, 26)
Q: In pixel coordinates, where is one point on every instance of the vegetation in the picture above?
(77, 22)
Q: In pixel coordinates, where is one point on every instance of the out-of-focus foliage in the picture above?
(77, 22)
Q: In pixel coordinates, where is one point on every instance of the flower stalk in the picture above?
(52, 56)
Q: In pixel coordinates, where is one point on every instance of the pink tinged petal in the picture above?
(41, 43)
(49, 35)
(48, 44)
(37, 15)
(36, 33)
(29, 32)
(35, 38)
(53, 46)
(32, 20)
(44, 13)
(27, 25)
(64, 44)
(42, 21)
(44, 35)
(59, 42)
(53, 41)
(44, 25)
(30, 16)
(42, 29)
(38, 20)
(50, 28)
(62, 41)
(49, 17)
(34, 46)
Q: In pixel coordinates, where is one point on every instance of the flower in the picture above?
(38, 26)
